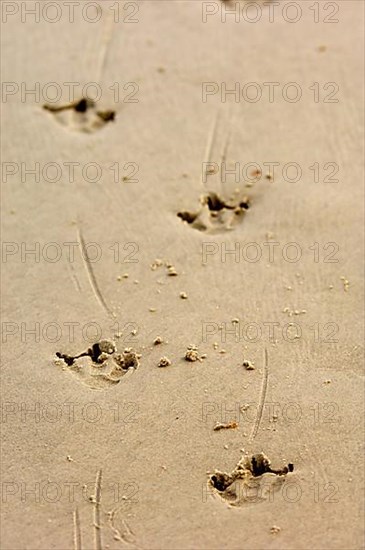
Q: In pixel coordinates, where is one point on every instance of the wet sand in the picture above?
(255, 299)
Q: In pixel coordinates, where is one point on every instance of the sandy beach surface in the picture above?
(182, 206)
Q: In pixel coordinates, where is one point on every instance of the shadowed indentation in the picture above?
(81, 115)
(253, 480)
(215, 213)
(100, 366)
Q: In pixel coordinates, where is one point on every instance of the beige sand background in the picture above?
(157, 453)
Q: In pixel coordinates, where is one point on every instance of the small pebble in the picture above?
(345, 282)
(157, 263)
(164, 362)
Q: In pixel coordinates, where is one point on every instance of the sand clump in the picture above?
(129, 359)
(192, 354)
(248, 365)
(229, 426)
(164, 362)
(170, 268)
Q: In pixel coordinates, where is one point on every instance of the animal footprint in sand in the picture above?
(81, 116)
(215, 214)
(101, 366)
(252, 481)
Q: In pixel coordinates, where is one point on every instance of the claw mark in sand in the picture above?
(262, 397)
(221, 130)
(77, 531)
(97, 525)
(219, 210)
(83, 115)
(123, 532)
(91, 274)
(211, 142)
(105, 46)
(74, 276)
(226, 145)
